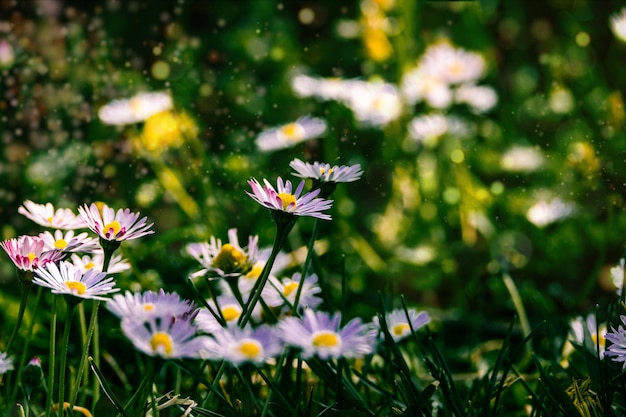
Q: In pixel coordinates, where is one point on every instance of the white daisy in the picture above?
(288, 135)
(69, 241)
(95, 261)
(46, 215)
(617, 23)
(135, 109)
(67, 279)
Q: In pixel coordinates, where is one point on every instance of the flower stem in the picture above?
(52, 357)
(71, 307)
(282, 230)
(307, 265)
(26, 286)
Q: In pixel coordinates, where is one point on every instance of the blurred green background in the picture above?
(417, 224)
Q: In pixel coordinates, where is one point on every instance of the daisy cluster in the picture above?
(444, 76)
(66, 260)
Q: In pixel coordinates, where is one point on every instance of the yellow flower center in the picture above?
(250, 348)
(255, 272)
(400, 329)
(137, 105)
(326, 339)
(148, 307)
(113, 228)
(287, 199)
(292, 131)
(323, 171)
(76, 287)
(161, 342)
(60, 244)
(229, 259)
(231, 313)
(290, 287)
(89, 265)
(50, 219)
(31, 257)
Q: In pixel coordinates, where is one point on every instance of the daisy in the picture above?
(431, 127)
(288, 135)
(6, 363)
(149, 304)
(285, 292)
(96, 261)
(617, 23)
(419, 85)
(399, 326)
(284, 199)
(224, 260)
(521, 159)
(325, 173)
(545, 212)
(239, 346)
(69, 242)
(28, 252)
(319, 334)
(228, 308)
(67, 279)
(135, 109)
(586, 332)
(46, 215)
(617, 276)
(617, 349)
(453, 65)
(113, 226)
(374, 103)
(480, 99)
(169, 339)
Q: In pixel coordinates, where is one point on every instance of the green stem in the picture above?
(83, 358)
(282, 230)
(519, 306)
(307, 264)
(71, 306)
(26, 286)
(52, 358)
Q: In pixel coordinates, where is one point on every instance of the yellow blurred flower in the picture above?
(165, 130)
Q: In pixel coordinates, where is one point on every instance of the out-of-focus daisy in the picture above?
(67, 279)
(399, 326)
(28, 252)
(228, 308)
(617, 23)
(239, 346)
(169, 339)
(224, 260)
(135, 109)
(430, 128)
(325, 172)
(7, 56)
(521, 159)
(479, 98)
(46, 215)
(96, 261)
(320, 334)
(581, 327)
(285, 291)
(374, 103)
(418, 85)
(617, 276)
(290, 134)
(69, 241)
(285, 199)
(114, 226)
(6, 363)
(454, 65)
(617, 349)
(545, 212)
(149, 304)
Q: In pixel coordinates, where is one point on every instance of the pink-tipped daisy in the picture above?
(285, 199)
(148, 305)
(67, 279)
(69, 241)
(95, 261)
(320, 334)
(46, 215)
(114, 226)
(325, 172)
(28, 252)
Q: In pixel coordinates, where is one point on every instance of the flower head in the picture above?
(149, 304)
(291, 134)
(169, 339)
(67, 279)
(319, 334)
(238, 346)
(6, 363)
(617, 23)
(586, 332)
(287, 200)
(545, 212)
(135, 109)
(228, 259)
(113, 226)
(69, 241)
(617, 276)
(228, 308)
(284, 292)
(398, 324)
(325, 173)
(46, 215)
(29, 253)
(95, 261)
(617, 349)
